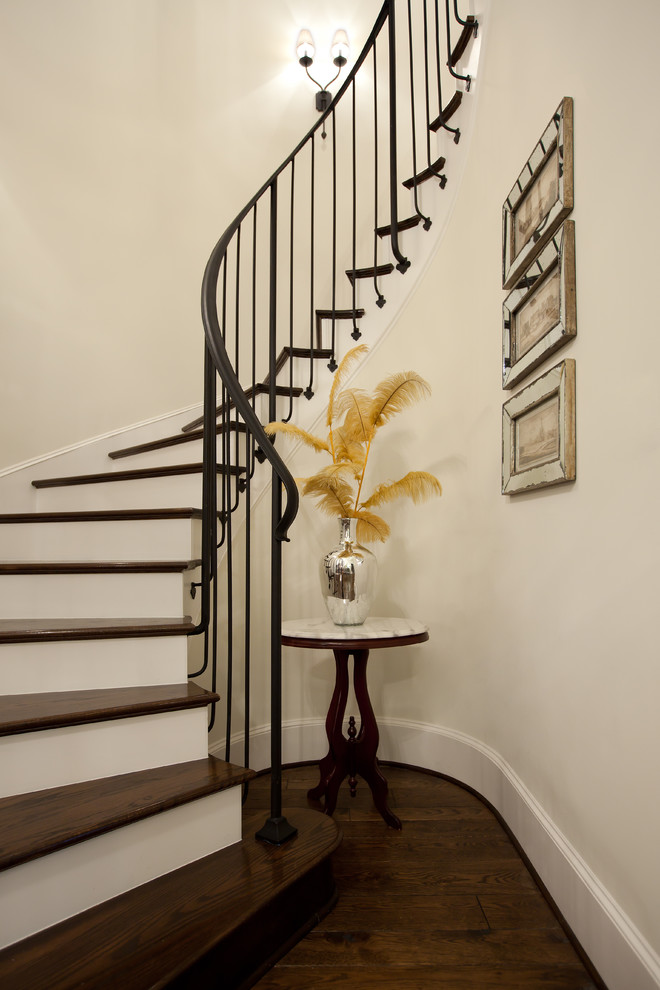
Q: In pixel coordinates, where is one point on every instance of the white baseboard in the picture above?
(622, 956)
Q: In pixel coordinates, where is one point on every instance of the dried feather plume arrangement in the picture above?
(354, 418)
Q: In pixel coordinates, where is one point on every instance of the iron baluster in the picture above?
(308, 391)
(450, 58)
(431, 167)
(209, 504)
(380, 298)
(247, 642)
(462, 22)
(291, 239)
(276, 829)
(427, 220)
(440, 120)
(402, 263)
(332, 364)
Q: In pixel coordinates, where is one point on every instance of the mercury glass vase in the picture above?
(348, 578)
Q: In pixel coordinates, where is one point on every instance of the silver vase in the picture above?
(348, 578)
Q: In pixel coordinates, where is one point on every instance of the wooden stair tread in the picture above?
(21, 713)
(427, 173)
(137, 474)
(340, 314)
(406, 224)
(147, 936)
(175, 440)
(288, 353)
(41, 822)
(448, 112)
(99, 515)
(370, 272)
(261, 388)
(99, 567)
(462, 43)
(52, 630)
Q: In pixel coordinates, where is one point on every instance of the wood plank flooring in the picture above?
(445, 903)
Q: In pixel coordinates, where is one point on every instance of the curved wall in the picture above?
(543, 650)
(544, 642)
(130, 133)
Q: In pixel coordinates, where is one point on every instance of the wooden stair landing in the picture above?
(217, 922)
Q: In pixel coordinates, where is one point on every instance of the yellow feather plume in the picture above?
(347, 449)
(420, 486)
(356, 404)
(371, 528)
(338, 486)
(333, 493)
(396, 393)
(345, 365)
(295, 431)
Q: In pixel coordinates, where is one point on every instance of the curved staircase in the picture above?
(122, 859)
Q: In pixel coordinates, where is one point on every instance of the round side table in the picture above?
(355, 754)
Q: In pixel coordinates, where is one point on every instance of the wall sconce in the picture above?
(305, 51)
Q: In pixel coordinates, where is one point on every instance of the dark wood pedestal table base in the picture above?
(355, 754)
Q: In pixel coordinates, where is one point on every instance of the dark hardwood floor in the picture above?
(447, 902)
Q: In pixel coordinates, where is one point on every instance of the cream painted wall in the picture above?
(542, 608)
(131, 134)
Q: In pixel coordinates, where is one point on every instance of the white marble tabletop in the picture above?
(372, 628)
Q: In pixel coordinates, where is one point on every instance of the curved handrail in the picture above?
(218, 359)
(210, 319)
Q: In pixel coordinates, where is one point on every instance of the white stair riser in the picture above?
(32, 761)
(145, 493)
(41, 893)
(134, 539)
(86, 665)
(51, 596)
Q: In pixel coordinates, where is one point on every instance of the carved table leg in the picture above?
(357, 754)
(333, 765)
(366, 744)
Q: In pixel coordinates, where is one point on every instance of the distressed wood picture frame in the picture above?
(541, 197)
(538, 432)
(539, 314)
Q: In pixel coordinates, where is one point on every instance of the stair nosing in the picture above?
(340, 314)
(448, 111)
(171, 441)
(385, 269)
(425, 174)
(13, 631)
(464, 39)
(406, 224)
(98, 567)
(136, 474)
(99, 515)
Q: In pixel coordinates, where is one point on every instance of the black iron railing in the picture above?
(275, 293)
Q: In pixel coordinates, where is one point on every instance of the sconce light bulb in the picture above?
(305, 48)
(340, 48)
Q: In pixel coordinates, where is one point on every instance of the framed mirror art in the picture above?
(538, 432)
(541, 198)
(539, 314)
